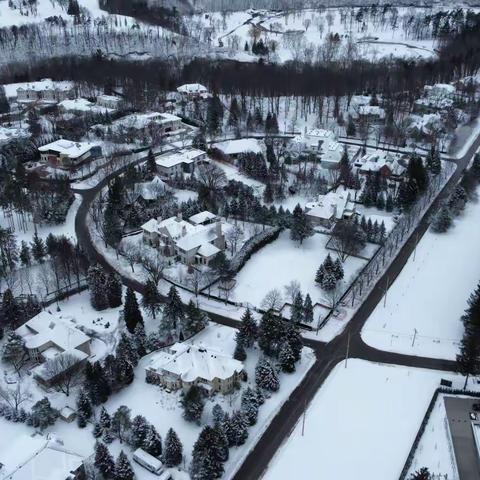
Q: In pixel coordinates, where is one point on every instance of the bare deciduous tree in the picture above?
(273, 300)
(65, 371)
(14, 397)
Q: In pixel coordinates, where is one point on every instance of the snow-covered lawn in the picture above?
(435, 450)
(431, 293)
(164, 410)
(284, 260)
(361, 423)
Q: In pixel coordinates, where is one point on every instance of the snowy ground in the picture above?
(361, 424)
(431, 293)
(435, 450)
(282, 261)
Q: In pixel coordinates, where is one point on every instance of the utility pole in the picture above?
(348, 349)
(385, 294)
(303, 419)
(414, 336)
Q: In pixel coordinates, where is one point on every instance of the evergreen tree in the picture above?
(293, 337)
(4, 105)
(96, 283)
(131, 311)
(389, 204)
(286, 358)
(337, 269)
(138, 431)
(97, 430)
(351, 128)
(422, 474)
(192, 403)
(127, 350)
(194, 319)
(14, 351)
(207, 461)
(248, 329)
(151, 299)
(25, 257)
(434, 164)
(214, 116)
(308, 309)
(265, 376)
(104, 460)
(123, 469)
(151, 164)
(10, 311)
(249, 405)
(239, 353)
(270, 333)
(301, 227)
(84, 407)
(105, 420)
(468, 360)
(140, 339)
(112, 229)
(173, 311)
(297, 314)
(173, 450)
(113, 290)
(442, 220)
(43, 415)
(38, 248)
(475, 168)
(237, 431)
(234, 114)
(153, 442)
(121, 423)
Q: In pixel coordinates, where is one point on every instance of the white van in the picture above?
(148, 461)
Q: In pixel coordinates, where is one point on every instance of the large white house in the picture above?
(330, 208)
(193, 90)
(110, 101)
(183, 365)
(183, 161)
(192, 243)
(68, 155)
(385, 163)
(50, 335)
(320, 144)
(45, 92)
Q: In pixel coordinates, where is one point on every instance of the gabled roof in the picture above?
(190, 362)
(192, 88)
(67, 147)
(202, 217)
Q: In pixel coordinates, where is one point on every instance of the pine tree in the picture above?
(270, 334)
(422, 474)
(151, 299)
(127, 350)
(248, 329)
(25, 257)
(38, 248)
(192, 403)
(238, 428)
(140, 339)
(104, 461)
(153, 442)
(10, 311)
(249, 405)
(4, 105)
(172, 312)
(81, 421)
(351, 128)
(468, 360)
(84, 407)
(113, 290)
(14, 350)
(96, 284)
(97, 430)
(131, 311)
(43, 415)
(308, 309)
(173, 450)
(389, 204)
(207, 461)
(105, 420)
(297, 309)
(123, 469)
(239, 353)
(112, 229)
(301, 226)
(442, 220)
(265, 376)
(293, 337)
(151, 164)
(194, 319)
(286, 358)
(121, 423)
(138, 431)
(337, 269)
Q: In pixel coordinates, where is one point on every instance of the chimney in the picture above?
(218, 228)
(179, 216)
(184, 230)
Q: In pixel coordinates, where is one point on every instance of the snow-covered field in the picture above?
(431, 293)
(284, 260)
(361, 424)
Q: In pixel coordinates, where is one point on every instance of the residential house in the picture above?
(234, 148)
(440, 96)
(68, 155)
(110, 101)
(191, 244)
(330, 208)
(39, 457)
(145, 194)
(320, 145)
(385, 163)
(371, 114)
(163, 123)
(45, 92)
(183, 365)
(48, 336)
(192, 91)
(203, 218)
(180, 162)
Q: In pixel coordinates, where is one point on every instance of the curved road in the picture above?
(327, 355)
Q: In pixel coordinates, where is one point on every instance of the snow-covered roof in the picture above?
(82, 105)
(46, 84)
(330, 205)
(49, 327)
(47, 374)
(192, 88)
(373, 110)
(233, 147)
(190, 362)
(208, 250)
(182, 156)
(202, 217)
(67, 147)
(109, 98)
(445, 87)
(150, 190)
(202, 235)
(372, 162)
(7, 133)
(320, 133)
(27, 457)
